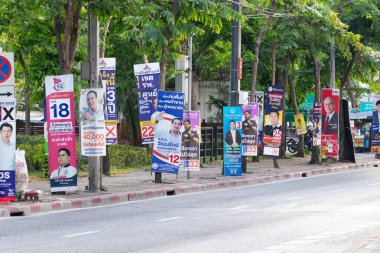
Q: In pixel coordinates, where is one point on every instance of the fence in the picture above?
(212, 142)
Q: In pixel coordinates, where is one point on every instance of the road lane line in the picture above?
(80, 234)
(363, 241)
(374, 184)
(172, 218)
(238, 207)
(294, 198)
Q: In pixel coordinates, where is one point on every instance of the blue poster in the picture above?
(7, 185)
(232, 132)
(107, 67)
(147, 77)
(167, 133)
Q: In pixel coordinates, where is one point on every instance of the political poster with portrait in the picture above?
(274, 109)
(375, 127)
(300, 124)
(232, 135)
(330, 122)
(60, 117)
(317, 124)
(259, 99)
(147, 77)
(92, 123)
(7, 149)
(249, 129)
(107, 67)
(167, 137)
(191, 138)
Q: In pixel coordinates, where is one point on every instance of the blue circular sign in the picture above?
(5, 69)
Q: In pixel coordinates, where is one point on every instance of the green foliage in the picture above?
(122, 156)
(34, 152)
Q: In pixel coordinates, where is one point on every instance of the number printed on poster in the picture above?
(147, 131)
(60, 109)
(174, 158)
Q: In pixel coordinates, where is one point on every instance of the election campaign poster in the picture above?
(107, 67)
(259, 98)
(167, 137)
(7, 149)
(317, 124)
(330, 122)
(60, 118)
(92, 123)
(375, 128)
(232, 132)
(249, 131)
(300, 124)
(274, 110)
(191, 137)
(147, 77)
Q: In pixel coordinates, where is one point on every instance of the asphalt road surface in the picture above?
(329, 213)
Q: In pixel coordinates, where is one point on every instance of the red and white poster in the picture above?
(61, 132)
(330, 122)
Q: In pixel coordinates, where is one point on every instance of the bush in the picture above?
(122, 156)
(34, 151)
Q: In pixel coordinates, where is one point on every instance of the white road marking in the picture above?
(80, 234)
(238, 207)
(374, 184)
(338, 190)
(294, 198)
(172, 218)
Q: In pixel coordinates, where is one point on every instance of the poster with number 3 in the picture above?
(61, 133)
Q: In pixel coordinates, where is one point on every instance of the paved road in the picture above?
(329, 213)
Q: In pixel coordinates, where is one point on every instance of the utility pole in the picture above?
(234, 58)
(93, 58)
(190, 79)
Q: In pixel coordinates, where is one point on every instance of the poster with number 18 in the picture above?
(61, 133)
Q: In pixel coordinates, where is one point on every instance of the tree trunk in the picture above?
(293, 99)
(69, 28)
(352, 94)
(165, 49)
(316, 150)
(102, 48)
(332, 64)
(273, 56)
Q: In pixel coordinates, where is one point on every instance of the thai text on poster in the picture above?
(250, 129)
(317, 124)
(191, 132)
(259, 98)
(232, 132)
(330, 122)
(375, 128)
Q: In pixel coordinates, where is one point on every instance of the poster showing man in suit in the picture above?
(330, 122)
(375, 130)
(232, 131)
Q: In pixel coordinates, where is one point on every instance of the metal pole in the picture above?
(190, 80)
(93, 55)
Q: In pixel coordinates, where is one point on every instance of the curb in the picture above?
(22, 210)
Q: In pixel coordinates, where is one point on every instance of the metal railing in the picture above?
(212, 142)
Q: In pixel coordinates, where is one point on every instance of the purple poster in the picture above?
(191, 132)
(249, 125)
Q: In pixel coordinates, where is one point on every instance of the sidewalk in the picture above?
(140, 184)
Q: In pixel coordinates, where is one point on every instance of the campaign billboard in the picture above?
(232, 132)
(375, 127)
(330, 122)
(249, 129)
(7, 149)
(259, 99)
(274, 109)
(107, 68)
(167, 136)
(317, 124)
(60, 120)
(300, 124)
(147, 77)
(191, 138)
(92, 123)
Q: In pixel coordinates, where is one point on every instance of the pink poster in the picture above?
(330, 122)
(61, 133)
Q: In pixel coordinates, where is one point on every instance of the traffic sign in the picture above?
(7, 78)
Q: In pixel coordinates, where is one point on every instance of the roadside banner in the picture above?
(300, 124)
(232, 131)
(107, 67)
(147, 77)
(274, 110)
(375, 128)
(249, 124)
(7, 76)
(61, 132)
(317, 124)
(167, 137)
(7, 149)
(259, 99)
(330, 122)
(191, 137)
(92, 125)
(111, 131)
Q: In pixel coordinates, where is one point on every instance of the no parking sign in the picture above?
(7, 78)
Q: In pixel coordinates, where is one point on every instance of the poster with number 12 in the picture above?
(61, 133)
